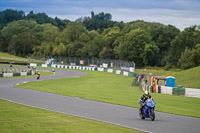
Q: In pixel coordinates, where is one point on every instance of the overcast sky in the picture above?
(180, 13)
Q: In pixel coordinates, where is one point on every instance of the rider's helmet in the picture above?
(146, 94)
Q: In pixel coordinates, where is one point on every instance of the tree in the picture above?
(75, 38)
(43, 50)
(49, 32)
(95, 44)
(189, 58)
(73, 31)
(183, 40)
(132, 46)
(40, 18)
(10, 15)
(61, 50)
(19, 37)
(111, 34)
(197, 55)
(106, 53)
(110, 37)
(162, 36)
(61, 23)
(99, 21)
(150, 54)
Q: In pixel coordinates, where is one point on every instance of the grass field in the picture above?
(5, 57)
(189, 78)
(157, 71)
(15, 118)
(116, 89)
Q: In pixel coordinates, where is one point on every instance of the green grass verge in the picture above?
(42, 73)
(15, 118)
(189, 78)
(116, 89)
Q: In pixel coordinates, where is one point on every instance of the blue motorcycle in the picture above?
(148, 110)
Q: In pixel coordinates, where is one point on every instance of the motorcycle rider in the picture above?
(143, 98)
(38, 76)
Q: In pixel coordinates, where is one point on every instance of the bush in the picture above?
(187, 59)
(169, 66)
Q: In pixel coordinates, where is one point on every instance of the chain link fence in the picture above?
(94, 62)
(125, 65)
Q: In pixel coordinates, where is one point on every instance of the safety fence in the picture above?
(77, 61)
(11, 73)
(83, 61)
(179, 90)
(115, 71)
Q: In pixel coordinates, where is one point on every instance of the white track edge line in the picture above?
(79, 116)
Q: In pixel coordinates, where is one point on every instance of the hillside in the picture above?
(188, 78)
(6, 57)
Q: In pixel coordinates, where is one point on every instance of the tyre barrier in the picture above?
(9, 74)
(179, 91)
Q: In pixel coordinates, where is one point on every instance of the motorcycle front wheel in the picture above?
(152, 115)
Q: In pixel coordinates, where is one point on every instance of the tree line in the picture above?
(97, 36)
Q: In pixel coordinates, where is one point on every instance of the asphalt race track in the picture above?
(109, 113)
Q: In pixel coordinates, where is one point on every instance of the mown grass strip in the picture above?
(15, 118)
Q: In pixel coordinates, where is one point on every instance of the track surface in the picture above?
(109, 113)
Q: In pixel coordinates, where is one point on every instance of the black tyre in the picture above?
(152, 115)
(141, 114)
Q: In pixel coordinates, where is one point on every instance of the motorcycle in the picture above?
(38, 76)
(148, 110)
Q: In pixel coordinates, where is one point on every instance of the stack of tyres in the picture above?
(179, 90)
(136, 83)
(39, 65)
(16, 74)
(48, 65)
